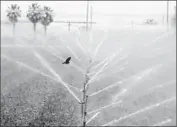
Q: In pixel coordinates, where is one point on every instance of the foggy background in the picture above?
(105, 13)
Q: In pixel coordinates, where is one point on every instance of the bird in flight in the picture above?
(67, 60)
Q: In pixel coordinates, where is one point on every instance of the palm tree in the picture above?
(34, 14)
(13, 13)
(46, 17)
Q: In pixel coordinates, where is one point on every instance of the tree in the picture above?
(13, 13)
(109, 67)
(46, 17)
(34, 14)
(91, 73)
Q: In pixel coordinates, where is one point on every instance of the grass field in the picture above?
(142, 76)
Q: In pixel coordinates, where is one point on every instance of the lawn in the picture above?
(142, 76)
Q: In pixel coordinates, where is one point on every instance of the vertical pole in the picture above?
(175, 15)
(13, 29)
(34, 29)
(163, 20)
(69, 25)
(84, 101)
(83, 107)
(45, 30)
(167, 12)
(91, 14)
(87, 15)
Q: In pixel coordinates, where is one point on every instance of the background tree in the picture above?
(13, 13)
(34, 14)
(46, 17)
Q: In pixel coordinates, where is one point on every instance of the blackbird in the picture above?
(67, 60)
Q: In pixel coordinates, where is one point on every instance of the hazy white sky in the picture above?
(99, 7)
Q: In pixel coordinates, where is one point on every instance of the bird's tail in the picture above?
(63, 63)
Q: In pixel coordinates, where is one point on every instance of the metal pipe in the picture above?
(167, 12)
(91, 14)
(87, 15)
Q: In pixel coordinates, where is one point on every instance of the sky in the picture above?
(66, 8)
